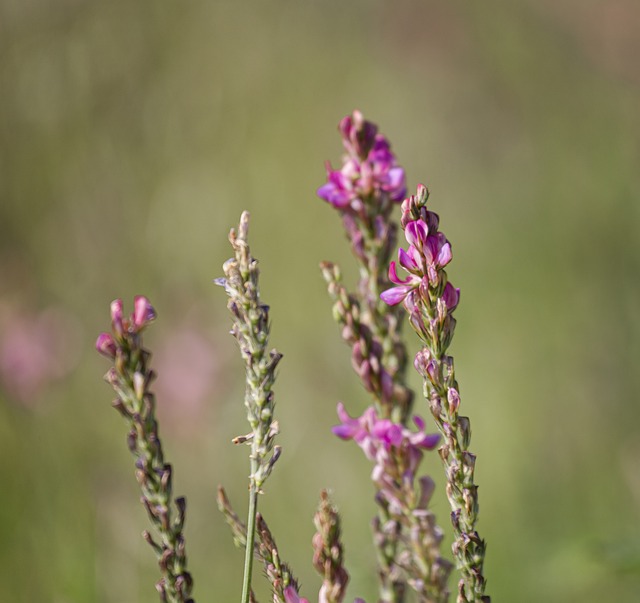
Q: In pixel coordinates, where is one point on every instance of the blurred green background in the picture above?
(132, 134)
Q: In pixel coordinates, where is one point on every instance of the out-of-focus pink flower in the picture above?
(35, 351)
(396, 451)
(371, 432)
(369, 168)
(188, 370)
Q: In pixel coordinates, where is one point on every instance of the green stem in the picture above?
(251, 539)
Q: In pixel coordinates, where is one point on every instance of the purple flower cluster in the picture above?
(396, 450)
(143, 314)
(369, 168)
(428, 253)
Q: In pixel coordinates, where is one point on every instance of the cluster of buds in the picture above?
(328, 552)
(430, 299)
(251, 330)
(367, 353)
(130, 377)
(364, 192)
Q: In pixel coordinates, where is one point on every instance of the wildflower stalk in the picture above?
(265, 549)
(130, 378)
(365, 191)
(251, 330)
(430, 299)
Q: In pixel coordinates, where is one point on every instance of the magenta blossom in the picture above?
(427, 254)
(371, 433)
(396, 450)
(368, 169)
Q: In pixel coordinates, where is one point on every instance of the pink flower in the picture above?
(35, 351)
(427, 255)
(372, 433)
(368, 169)
(396, 450)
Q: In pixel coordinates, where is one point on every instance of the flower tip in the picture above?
(143, 311)
(116, 316)
(422, 194)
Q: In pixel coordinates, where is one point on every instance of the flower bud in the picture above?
(454, 400)
(143, 312)
(106, 345)
(116, 317)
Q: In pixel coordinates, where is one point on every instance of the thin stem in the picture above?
(251, 539)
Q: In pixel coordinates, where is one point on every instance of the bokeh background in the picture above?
(132, 134)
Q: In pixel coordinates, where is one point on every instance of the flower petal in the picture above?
(416, 233)
(395, 295)
(407, 260)
(451, 296)
(393, 275)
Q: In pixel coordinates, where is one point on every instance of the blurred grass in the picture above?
(131, 137)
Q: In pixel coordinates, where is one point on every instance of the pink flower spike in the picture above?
(143, 311)
(116, 316)
(106, 345)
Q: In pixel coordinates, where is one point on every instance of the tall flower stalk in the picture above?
(364, 191)
(130, 378)
(430, 300)
(251, 330)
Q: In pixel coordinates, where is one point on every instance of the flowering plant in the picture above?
(364, 191)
